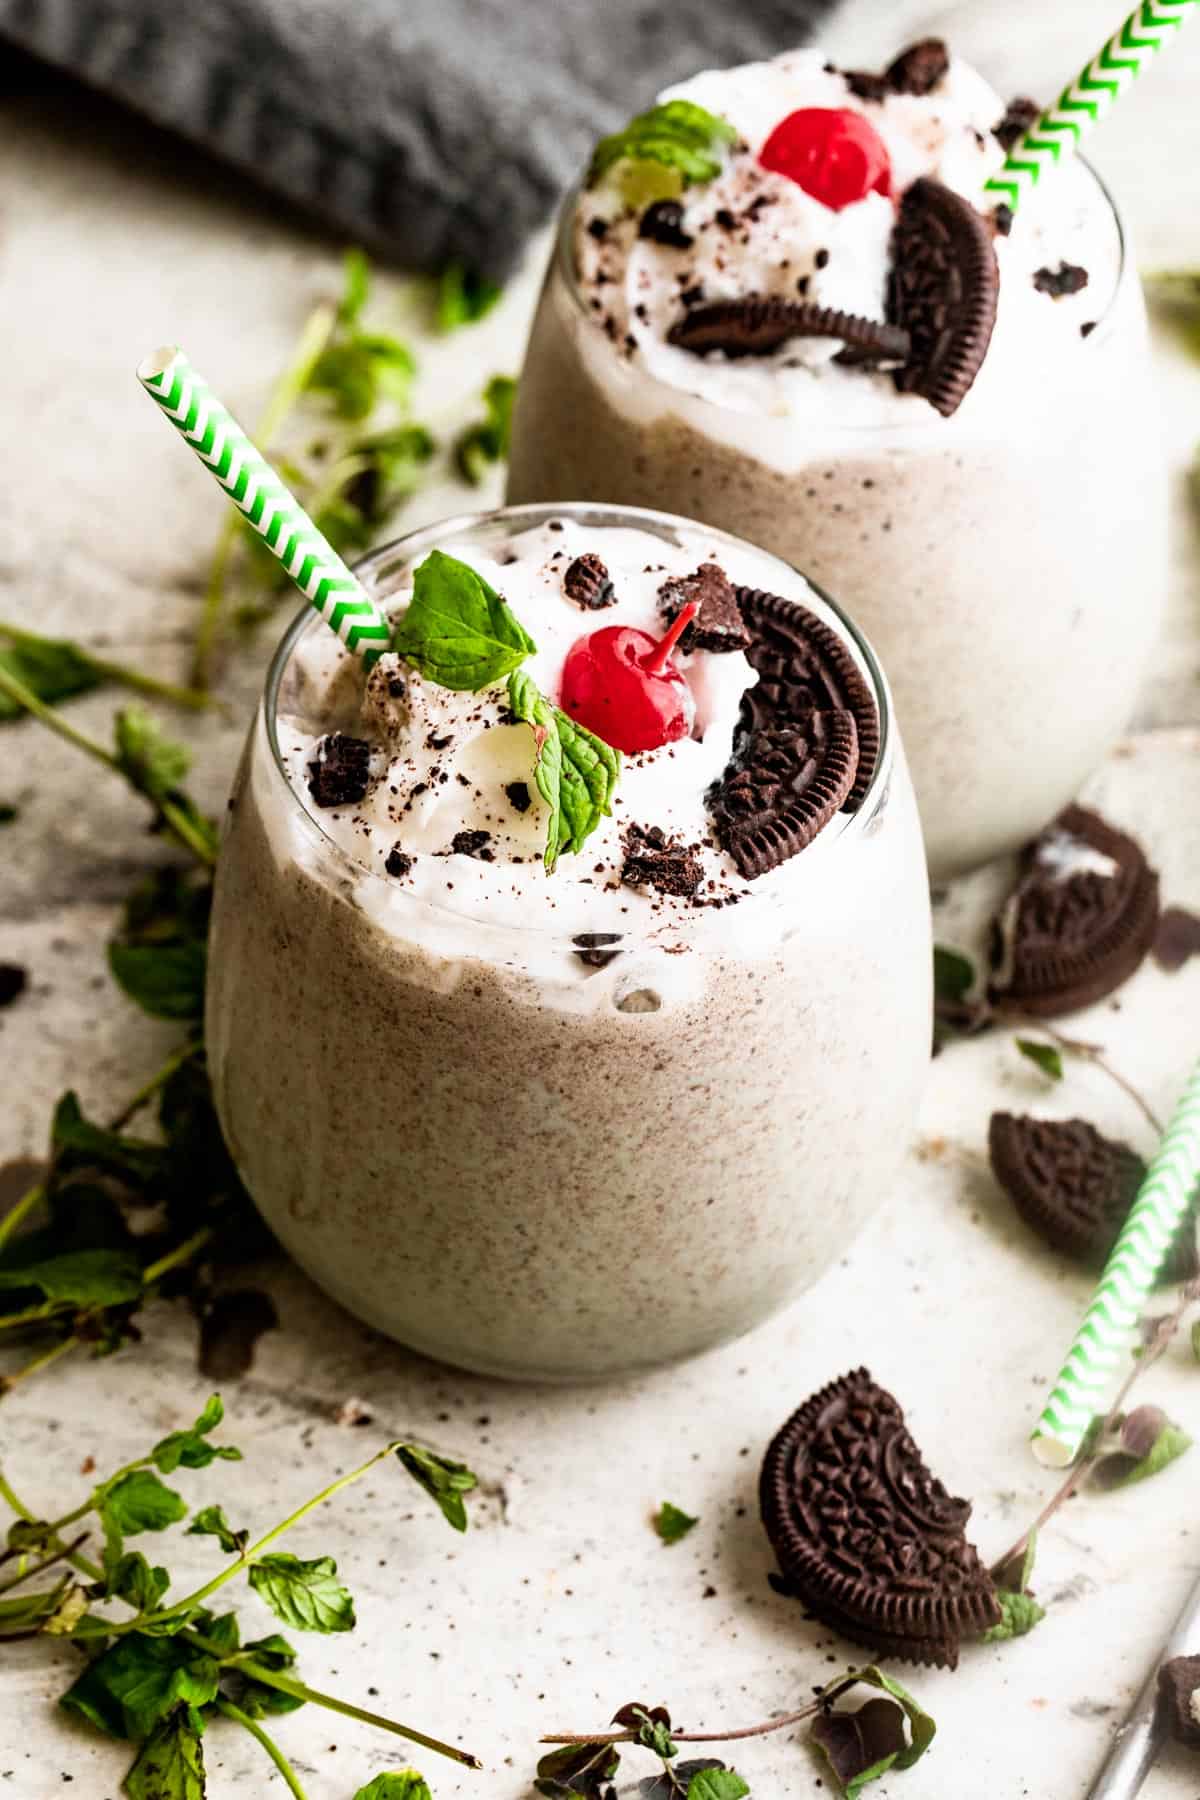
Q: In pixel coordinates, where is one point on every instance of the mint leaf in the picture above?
(716, 1784)
(402, 1784)
(210, 1521)
(1195, 1340)
(590, 772)
(443, 1480)
(458, 631)
(170, 1765)
(671, 1523)
(158, 957)
(864, 1744)
(130, 1577)
(1169, 1444)
(150, 760)
(920, 1726)
(356, 285)
(463, 296)
(1019, 1613)
(306, 1595)
(585, 1769)
(531, 707)
(127, 1689)
(221, 1630)
(487, 440)
(52, 669)
(678, 133)
(392, 463)
(190, 1449)
(1047, 1057)
(167, 982)
(257, 1698)
(139, 1501)
(83, 1278)
(953, 974)
(75, 1137)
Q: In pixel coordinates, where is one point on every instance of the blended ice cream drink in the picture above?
(782, 303)
(570, 993)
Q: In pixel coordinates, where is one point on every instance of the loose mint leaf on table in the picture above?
(130, 1577)
(444, 1481)
(716, 1783)
(652, 1725)
(864, 1744)
(166, 981)
(399, 1784)
(1019, 1611)
(191, 1449)
(1047, 1057)
(83, 1278)
(130, 1687)
(150, 761)
(365, 368)
(257, 1698)
(672, 1523)
(391, 464)
(458, 631)
(678, 133)
(72, 1134)
(356, 285)
(139, 1501)
(488, 440)
(170, 1764)
(585, 1769)
(210, 1521)
(463, 296)
(53, 670)
(306, 1595)
(1148, 1442)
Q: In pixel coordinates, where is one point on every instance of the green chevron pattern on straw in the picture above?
(1110, 1321)
(1086, 99)
(273, 510)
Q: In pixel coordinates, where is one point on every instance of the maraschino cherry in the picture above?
(622, 684)
(832, 153)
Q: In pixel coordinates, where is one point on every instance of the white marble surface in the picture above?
(561, 1603)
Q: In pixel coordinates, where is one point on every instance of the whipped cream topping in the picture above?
(758, 232)
(444, 764)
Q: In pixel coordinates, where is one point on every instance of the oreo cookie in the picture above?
(1079, 921)
(804, 666)
(942, 291)
(757, 325)
(865, 1535)
(652, 859)
(340, 771)
(719, 626)
(1075, 1187)
(783, 789)
(588, 583)
(1179, 1699)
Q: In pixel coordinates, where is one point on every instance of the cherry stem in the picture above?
(683, 618)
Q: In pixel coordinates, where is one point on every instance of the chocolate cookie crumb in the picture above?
(340, 771)
(598, 228)
(13, 982)
(596, 948)
(588, 583)
(662, 223)
(519, 797)
(1020, 115)
(473, 843)
(1088, 326)
(398, 862)
(1177, 938)
(654, 860)
(718, 626)
(918, 69)
(1002, 219)
(1068, 278)
(866, 86)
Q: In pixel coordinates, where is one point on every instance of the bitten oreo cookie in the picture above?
(1075, 1187)
(588, 583)
(943, 290)
(1179, 1697)
(865, 1535)
(1079, 921)
(339, 773)
(757, 325)
(783, 789)
(803, 666)
(719, 625)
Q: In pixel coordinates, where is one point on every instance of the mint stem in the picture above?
(290, 1779)
(300, 1691)
(122, 673)
(37, 1364)
(44, 1563)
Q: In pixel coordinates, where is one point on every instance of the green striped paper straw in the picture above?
(1086, 99)
(1111, 1320)
(258, 493)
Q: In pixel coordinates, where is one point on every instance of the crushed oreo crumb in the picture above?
(339, 773)
(1002, 219)
(398, 862)
(596, 948)
(1177, 938)
(587, 582)
(473, 843)
(918, 69)
(1019, 116)
(397, 687)
(1088, 326)
(13, 982)
(1068, 278)
(519, 797)
(866, 86)
(652, 859)
(662, 223)
(598, 228)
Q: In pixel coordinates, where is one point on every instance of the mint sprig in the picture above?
(678, 134)
(575, 772)
(457, 630)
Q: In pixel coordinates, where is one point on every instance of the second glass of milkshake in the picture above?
(562, 1123)
(1002, 546)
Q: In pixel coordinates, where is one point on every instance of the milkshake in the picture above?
(813, 328)
(544, 1051)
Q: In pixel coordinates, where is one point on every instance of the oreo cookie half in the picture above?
(943, 290)
(804, 666)
(1074, 1187)
(784, 788)
(1080, 920)
(756, 325)
(865, 1535)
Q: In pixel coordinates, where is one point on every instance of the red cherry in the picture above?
(621, 684)
(831, 152)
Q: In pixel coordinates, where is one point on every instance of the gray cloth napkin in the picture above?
(426, 129)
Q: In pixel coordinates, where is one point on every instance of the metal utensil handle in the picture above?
(1139, 1740)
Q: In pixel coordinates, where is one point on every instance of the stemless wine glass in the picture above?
(1008, 563)
(527, 1166)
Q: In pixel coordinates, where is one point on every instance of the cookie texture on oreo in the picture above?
(340, 772)
(943, 291)
(1074, 1188)
(865, 1535)
(783, 789)
(756, 325)
(1080, 920)
(719, 626)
